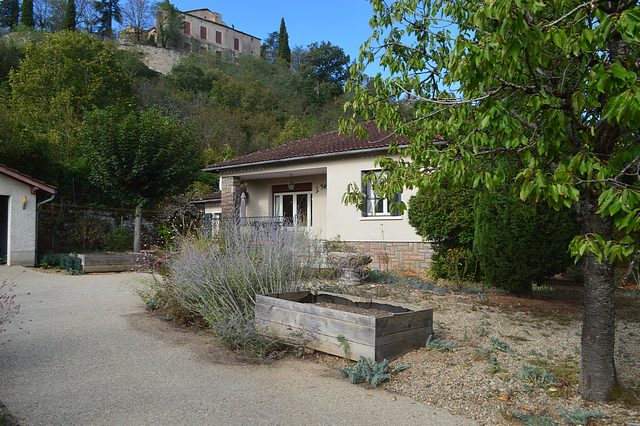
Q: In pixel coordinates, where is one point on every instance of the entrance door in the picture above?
(4, 228)
(294, 209)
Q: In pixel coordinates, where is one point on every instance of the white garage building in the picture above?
(19, 198)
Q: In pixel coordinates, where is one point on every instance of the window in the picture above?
(203, 33)
(375, 205)
(218, 37)
(187, 28)
(236, 43)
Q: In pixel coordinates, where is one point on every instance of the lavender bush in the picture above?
(218, 279)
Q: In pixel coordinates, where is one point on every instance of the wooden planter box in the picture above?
(113, 262)
(349, 335)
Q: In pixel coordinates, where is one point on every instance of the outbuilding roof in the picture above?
(331, 144)
(35, 184)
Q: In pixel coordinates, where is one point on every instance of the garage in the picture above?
(20, 196)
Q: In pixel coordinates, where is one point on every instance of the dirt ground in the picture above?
(510, 360)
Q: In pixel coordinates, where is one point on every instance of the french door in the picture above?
(293, 208)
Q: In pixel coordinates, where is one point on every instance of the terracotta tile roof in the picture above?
(26, 179)
(211, 197)
(323, 145)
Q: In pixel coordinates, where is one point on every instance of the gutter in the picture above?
(294, 159)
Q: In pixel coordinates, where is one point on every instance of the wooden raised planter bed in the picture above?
(346, 326)
(112, 262)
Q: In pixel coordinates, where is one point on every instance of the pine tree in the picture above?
(70, 16)
(27, 14)
(9, 13)
(108, 11)
(284, 52)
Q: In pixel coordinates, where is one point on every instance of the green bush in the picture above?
(444, 216)
(517, 244)
(118, 239)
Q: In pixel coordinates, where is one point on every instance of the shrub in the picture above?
(517, 244)
(118, 239)
(444, 216)
(71, 263)
(217, 280)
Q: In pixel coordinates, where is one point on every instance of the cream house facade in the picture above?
(20, 196)
(302, 184)
(205, 30)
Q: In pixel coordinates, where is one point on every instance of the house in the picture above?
(302, 184)
(20, 196)
(205, 30)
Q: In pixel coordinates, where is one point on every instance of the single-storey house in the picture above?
(302, 184)
(20, 196)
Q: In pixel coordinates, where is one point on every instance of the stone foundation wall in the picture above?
(415, 257)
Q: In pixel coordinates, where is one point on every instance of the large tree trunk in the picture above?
(137, 229)
(597, 366)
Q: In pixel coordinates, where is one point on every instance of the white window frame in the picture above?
(371, 200)
(278, 199)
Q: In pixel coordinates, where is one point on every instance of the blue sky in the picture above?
(345, 23)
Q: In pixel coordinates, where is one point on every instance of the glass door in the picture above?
(294, 209)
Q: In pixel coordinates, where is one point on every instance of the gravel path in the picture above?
(87, 353)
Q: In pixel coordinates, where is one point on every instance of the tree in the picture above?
(269, 47)
(60, 79)
(27, 14)
(325, 66)
(70, 16)
(168, 25)
(552, 86)
(138, 157)
(138, 14)
(107, 12)
(284, 52)
(9, 13)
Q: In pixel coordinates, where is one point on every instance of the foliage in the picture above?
(71, 263)
(536, 377)
(344, 344)
(107, 11)
(444, 216)
(26, 14)
(579, 416)
(517, 244)
(367, 371)
(551, 85)
(59, 80)
(325, 68)
(9, 13)
(283, 50)
(9, 308)
(119, 238)
(138, 15)
(440, 345)
(168, 25)
(218, 280)
(138, 156)
(70, 16)
(529, 419)
(269, 47)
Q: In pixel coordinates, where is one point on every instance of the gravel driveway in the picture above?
(87, 353)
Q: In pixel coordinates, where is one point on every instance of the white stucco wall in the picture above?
(332, 220)
(22, 222)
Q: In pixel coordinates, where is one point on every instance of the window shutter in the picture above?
(236, 43)
(203, 33)
(218, 37)
(187, 28)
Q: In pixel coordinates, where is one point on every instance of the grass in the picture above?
(566, 370)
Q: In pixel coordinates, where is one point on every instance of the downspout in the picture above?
(48, 200)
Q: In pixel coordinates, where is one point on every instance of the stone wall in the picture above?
(156, 58)
(415, 257)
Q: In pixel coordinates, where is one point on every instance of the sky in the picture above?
(344, 23)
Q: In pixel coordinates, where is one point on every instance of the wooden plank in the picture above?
(109, 268)
(404, 321)
(316, 341)
(391, 351)
(422, 333)
(293, 296)
(317, 323)
(317, 310)
(371, 300)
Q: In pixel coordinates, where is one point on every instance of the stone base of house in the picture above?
(414, 257)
